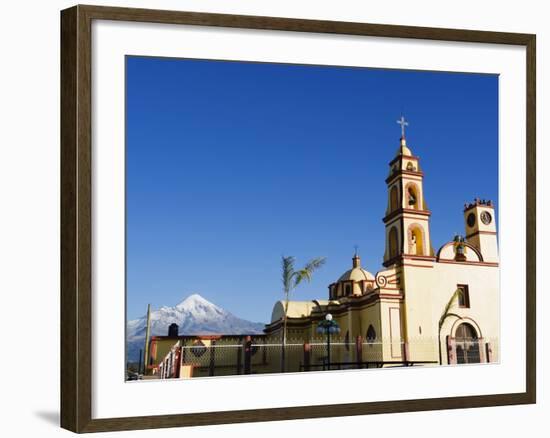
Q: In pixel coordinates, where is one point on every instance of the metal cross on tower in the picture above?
(403, 123)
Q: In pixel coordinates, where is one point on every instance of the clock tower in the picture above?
(481, 230)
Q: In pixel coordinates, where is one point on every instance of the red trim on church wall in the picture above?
(454, 262)
(401, 156)
(481, 232)
(403, 211)
(405, 172)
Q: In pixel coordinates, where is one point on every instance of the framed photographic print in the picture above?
(260, 208)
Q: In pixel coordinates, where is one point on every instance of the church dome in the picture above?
(355, 282)
(403, 148)
(357, 273)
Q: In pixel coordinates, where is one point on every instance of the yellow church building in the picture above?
(426, 306)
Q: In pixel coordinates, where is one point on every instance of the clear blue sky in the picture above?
(231, 165)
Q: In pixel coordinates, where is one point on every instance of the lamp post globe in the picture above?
(328, 327)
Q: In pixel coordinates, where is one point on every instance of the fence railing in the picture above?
(260, 358)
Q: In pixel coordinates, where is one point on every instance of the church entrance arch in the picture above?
(467, 344)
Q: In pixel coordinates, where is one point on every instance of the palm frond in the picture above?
(315, 263)
(302, 275)
(448, 307)
(288, 273)
(306, 272)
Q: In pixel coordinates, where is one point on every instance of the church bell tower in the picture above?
(407, 215)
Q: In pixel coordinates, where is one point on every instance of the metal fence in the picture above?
(317, 355)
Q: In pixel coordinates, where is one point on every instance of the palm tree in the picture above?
(446, 313)
(291, 279)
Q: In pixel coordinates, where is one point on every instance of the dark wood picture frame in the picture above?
(76, 217)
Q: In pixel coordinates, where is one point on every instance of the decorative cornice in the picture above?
(455, 262)
(399, 259)
(403, 211)
(401, 156)
(418, 257)
(406, 216)
(494, 233)
(417, 266)
(479, 203)
(401, 172)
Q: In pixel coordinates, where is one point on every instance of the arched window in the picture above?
(348, 289)
(412, 197)
(465, 331)
(394, 199)
(416, 241)
(392, 238)
(467, 344)
(371, 334)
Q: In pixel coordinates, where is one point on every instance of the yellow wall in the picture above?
(427, 292)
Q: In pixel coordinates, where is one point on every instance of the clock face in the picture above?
(486, 217)
(471, 220)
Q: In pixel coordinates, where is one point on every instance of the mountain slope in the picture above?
(194, 315)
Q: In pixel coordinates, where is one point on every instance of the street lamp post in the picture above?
(328, 326)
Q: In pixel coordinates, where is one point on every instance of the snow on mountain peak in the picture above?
(193, 301)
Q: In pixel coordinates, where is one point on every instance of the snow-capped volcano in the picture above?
(195, 316)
